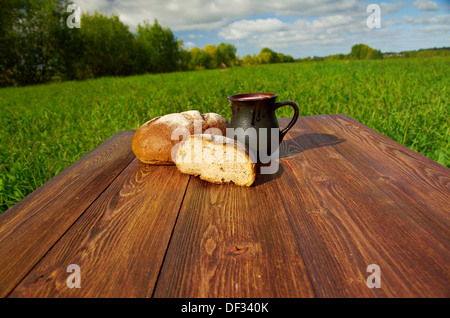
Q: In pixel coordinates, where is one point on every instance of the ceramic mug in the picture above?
(257, 112)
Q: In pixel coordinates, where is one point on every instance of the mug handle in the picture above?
(294, 119)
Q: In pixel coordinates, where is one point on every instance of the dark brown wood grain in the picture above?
(233, 241)
(345, 219)
(343, 198)
(419, 184)
(119, 242)
(32, 226)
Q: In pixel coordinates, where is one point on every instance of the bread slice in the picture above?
(216, 159)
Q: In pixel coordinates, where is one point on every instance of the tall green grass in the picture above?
(46, 128)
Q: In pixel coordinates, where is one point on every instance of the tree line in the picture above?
(434, 52)
(358, 52)
(365, 52)
(37, 46)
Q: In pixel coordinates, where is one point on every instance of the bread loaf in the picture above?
(152, 143)
(195, 116)
(216, 121)
(216, 159)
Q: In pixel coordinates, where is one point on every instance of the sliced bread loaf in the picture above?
(216, 159)
(153, 142)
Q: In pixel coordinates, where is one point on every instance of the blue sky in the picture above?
(300, 28)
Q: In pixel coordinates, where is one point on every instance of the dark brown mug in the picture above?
(257, 110)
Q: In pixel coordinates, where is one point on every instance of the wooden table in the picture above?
(344, 197)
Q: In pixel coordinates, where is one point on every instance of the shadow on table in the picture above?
(296, 145)
(263, 178)
(303, 142)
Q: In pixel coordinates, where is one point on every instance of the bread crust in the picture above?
(217, 121)
(152, 143)
(225, 142)
(195, 116)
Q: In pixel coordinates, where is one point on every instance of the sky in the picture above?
(300, 28)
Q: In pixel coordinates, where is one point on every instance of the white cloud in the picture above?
(328, 30)
(290, 26)
(441, 29)
(245, 28)
(425, 5)
(312, 8)
(275, 33)
(92, 6)
(387, 8)
(194, 36)
(442, 19)
(189, 44)
(180, 15)
(332, 22)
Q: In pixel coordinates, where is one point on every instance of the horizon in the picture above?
(302, 28)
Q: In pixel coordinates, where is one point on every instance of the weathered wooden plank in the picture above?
(344, 221)
(32, 226)
(232, 241)
(119, 242)
(345, 197)
(419, 184)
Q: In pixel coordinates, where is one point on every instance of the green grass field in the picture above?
(46, 128)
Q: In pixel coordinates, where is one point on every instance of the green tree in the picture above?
(28, 41)
(374, 55)
(71, 51)
(336, 57)
(359, 51)
(226, 54)
(210, 58)
(363, 51)
(249, 60)
(184, 57)
(9, 50)
(288, 59)
(157, 48)
(107, 45)
(267, 56)
(199, 59)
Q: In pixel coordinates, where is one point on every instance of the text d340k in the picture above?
(229, 307)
